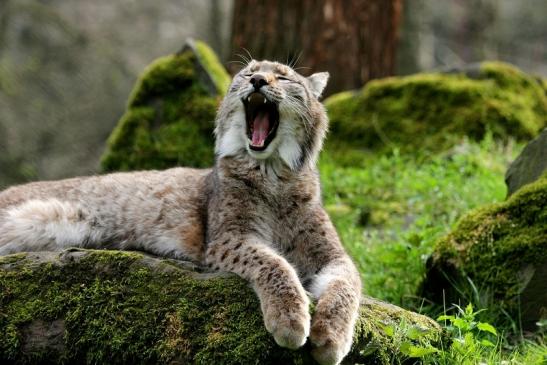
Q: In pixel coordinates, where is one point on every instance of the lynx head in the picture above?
(272, 113)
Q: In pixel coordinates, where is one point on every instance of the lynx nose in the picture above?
(258, 80)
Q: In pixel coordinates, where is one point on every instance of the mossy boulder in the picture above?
(502, 250)
(529, 165)
(435, 110)
(112, 307)
(170, 113)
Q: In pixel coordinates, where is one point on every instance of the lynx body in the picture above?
(256, 213)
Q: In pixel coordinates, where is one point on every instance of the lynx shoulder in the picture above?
(256, 213)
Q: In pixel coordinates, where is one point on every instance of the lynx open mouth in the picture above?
(262, 117)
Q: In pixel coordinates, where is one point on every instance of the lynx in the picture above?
(257, 213)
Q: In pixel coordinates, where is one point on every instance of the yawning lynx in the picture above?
(256, 213)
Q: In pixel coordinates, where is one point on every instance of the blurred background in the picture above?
(67, 66)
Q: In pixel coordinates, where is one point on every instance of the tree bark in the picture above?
(355, 41)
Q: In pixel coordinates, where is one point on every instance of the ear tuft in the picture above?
(318, 81)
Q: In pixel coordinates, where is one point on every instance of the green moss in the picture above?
(543, 83)
(210, 61)
(434, 111)
(118, 311)
(494, 246)
(170, 114)
(382, 327)
(123, 307)
(12, 258)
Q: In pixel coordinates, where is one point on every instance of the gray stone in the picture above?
(529, 165)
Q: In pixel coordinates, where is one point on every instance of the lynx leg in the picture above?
(284, 303)
(337, 288)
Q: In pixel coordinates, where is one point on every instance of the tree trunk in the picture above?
(354, 41)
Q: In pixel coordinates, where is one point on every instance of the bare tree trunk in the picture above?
(354, 40)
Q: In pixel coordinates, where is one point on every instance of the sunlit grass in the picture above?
(390, 209)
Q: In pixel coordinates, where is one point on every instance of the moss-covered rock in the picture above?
(435, 110)
(502, 249)
(170, 113)
(124, 307)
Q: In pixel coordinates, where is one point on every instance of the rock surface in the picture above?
(170, 113)
(530, 164)
(66, 68)
(436, 110)
(502, 249)
(124, 307)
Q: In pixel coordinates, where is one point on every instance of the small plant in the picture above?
(472, 341)
(467, 332)
(412, 340)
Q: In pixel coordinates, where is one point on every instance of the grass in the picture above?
(389, 211)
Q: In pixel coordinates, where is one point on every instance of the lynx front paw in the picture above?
(330, 346)
(290, 326)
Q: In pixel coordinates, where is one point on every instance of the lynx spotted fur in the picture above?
(256, 213)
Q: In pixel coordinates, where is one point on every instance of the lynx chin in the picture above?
(256, 213)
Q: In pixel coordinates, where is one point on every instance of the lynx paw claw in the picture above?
(289, 328)
(328, 355)
(329, 349)
(292, 336)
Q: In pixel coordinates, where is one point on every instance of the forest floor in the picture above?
(389, 210)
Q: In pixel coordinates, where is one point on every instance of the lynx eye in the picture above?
(281, 78)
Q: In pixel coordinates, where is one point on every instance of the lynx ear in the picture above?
(318, 81)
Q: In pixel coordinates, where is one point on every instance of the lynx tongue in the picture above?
(261, 128)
